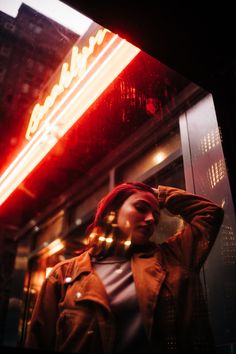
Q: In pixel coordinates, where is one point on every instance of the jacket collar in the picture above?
(90, 287)
(78, 265)
(82, 263)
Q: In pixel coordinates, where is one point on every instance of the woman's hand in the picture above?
(160, 195)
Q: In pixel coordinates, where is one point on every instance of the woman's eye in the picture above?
(141, 208)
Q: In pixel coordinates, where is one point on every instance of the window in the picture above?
(9, 26)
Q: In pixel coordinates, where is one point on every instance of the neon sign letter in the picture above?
(78, 65)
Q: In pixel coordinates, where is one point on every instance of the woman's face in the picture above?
(137, 217)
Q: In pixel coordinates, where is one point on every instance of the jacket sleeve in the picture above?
(42, 328)
(203, 219)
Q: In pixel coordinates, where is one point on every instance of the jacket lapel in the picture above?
(148, 277)
(89, 286)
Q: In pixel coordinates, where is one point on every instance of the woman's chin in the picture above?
(139, 240)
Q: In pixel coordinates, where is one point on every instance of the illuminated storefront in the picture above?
(130, 118)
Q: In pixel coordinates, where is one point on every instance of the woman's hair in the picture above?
(114, 200)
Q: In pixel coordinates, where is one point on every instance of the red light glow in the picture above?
(112, 59)
(77, 68)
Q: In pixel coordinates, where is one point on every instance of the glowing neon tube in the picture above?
(113, 58)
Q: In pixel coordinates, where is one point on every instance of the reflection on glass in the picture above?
(210, 140)
(228, 245)
(216, 172)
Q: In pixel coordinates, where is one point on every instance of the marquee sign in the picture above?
(78, 65)
(90, 72)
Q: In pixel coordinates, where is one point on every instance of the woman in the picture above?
(126, 293)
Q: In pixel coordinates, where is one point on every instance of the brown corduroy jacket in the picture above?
(72, 312)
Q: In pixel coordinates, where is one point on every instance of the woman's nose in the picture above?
(149, 219)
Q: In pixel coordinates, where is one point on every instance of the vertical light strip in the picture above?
(106, 67)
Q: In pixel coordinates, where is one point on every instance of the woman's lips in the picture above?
(147, 230)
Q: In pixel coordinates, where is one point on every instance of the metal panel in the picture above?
(206, 174)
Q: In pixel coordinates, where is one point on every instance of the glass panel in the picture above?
(206, 174)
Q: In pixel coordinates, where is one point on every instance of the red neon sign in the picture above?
(113, 57)
(78, 65)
